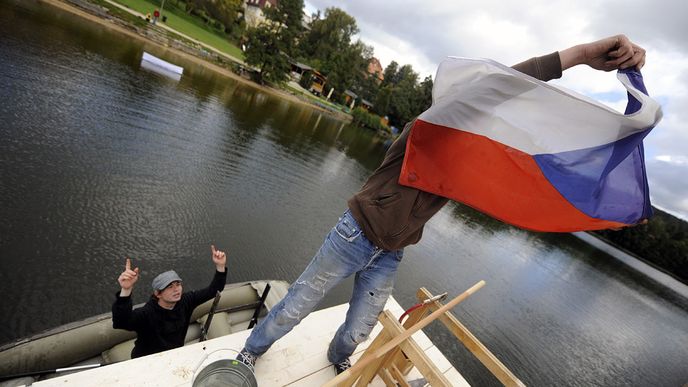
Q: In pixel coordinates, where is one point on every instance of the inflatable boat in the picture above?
(92, 342)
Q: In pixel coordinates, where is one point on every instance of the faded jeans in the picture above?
(345, 251)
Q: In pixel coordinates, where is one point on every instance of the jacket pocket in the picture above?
(391, 213)
(385, 200)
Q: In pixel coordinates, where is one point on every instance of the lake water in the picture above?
(102, 159)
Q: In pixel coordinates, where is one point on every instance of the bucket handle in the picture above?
(207, 355)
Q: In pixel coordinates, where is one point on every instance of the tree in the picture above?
(228, 13)
(663, 242)
(223, 14)
(399, 90)
(424, 95)
(265, 52)
(390, 74)
(327, 47)
(383, 100)
(328, 36)
(400, 97)
(367, 88)
(348, 67)
(272, 42)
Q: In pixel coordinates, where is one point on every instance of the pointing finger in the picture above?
(127, 266)
(212, 249)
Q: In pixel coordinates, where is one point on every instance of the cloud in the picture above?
(660, 23)
(668, 184)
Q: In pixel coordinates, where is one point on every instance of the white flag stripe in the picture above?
(492, 100)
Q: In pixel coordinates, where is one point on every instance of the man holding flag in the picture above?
(385, 216)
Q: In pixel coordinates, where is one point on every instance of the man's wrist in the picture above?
(221, 268)
(571, 56)
(125, 292)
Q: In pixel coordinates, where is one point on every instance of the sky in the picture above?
(423, 33)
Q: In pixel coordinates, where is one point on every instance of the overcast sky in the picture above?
(423, 33)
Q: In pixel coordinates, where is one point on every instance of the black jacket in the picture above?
(159, 329)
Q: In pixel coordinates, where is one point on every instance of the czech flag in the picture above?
(529, 153)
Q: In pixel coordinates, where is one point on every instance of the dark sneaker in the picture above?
(247, 358)
(342, 366)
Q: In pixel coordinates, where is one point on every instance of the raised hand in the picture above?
(616, 52)
(128, 277)
(612, 53)
(219, 258)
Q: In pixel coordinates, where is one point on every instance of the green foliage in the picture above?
(222, 15)
(264, 52)
(328, 36)
(390, 74)
(367, 120)
(424, 94)
(327, 46)
(366, 87)
(348, 67)
(663, 242)
(400, 96)
(272, 42)
(383, 100)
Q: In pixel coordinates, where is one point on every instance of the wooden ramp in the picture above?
(395, 354)
(298, 359)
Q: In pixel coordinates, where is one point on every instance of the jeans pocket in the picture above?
(347, 229)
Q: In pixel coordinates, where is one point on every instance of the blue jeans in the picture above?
(345, 251)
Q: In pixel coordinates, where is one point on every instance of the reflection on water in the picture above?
(101, 159)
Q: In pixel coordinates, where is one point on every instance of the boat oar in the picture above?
(256, 312)
(361, 363)
(209, 319)
(56, 370)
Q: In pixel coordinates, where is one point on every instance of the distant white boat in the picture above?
(153, 63)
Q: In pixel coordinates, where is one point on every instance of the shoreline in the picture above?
(637, 263)
(115, 26)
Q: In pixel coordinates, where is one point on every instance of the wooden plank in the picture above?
(369, 373)
(401, 361)
(307, 344)
(414, 375)
(414, 352)
(387, 378)
(298, 359)
(399, 339)
(401, 380)
(326, 372)
(499, 370)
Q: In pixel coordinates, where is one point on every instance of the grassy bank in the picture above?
(187, 25)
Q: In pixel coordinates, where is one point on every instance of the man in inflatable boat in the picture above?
(161, 324)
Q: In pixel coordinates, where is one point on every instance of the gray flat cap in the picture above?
(163, 279)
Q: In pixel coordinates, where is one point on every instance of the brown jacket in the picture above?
(391, 215)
